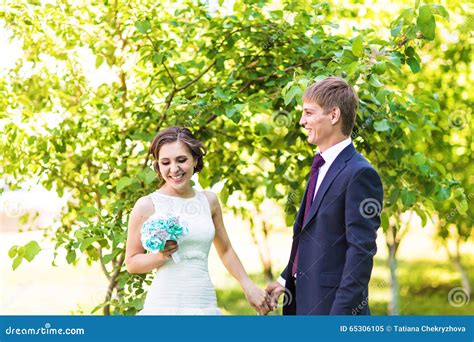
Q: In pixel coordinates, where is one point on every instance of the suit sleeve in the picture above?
(363, 204)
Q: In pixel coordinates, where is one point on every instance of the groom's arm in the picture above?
(363, 202)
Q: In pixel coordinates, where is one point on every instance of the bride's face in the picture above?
(176, 164)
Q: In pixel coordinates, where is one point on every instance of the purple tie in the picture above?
(318, 161)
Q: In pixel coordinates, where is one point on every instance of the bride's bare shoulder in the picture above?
(143, 207)
(212, 199)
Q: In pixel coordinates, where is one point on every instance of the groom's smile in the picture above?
(315, 121)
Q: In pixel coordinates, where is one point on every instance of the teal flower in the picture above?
(155, 233)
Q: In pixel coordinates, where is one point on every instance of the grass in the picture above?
(424, 288)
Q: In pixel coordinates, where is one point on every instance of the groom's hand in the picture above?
(275, 290)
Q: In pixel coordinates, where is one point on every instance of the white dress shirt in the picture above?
(329, 156)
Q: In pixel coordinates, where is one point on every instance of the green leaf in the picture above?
(394, 59)
(408, 15)
(98, 307)
(442, 194)
(414, 64)
(410, 51)
(426, 22)
(71, 256)
(374, 81)
(89, 210)
(440, 10)
(425, 169)
(230, 111)
(16, 262)
(420, 158)
(384, 221)
(408, 198)
(158, 57)
(357, 48)
(86, 243)
(123, 183)
(98, 61)
(107, 258)
(290, 95)
(422, 216)
(32, 248)
(12, 252)
(381, 125)
(236, 118)
(395, 31)
(143, 26)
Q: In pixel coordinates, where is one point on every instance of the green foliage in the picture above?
(27, 252)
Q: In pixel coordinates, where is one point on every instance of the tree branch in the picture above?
(197, 78)
(113, 282)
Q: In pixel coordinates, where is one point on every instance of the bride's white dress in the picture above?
(184, 288)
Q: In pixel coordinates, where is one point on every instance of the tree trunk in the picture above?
(266, 258)
(457, 263)
(113, 283)
(392, 244)
(263, 249)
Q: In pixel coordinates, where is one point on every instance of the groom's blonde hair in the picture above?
(335, 92)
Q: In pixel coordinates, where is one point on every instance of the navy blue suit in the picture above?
(337, 241)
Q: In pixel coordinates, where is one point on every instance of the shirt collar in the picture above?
(332, 152)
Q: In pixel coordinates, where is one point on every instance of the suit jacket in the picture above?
(337, 241)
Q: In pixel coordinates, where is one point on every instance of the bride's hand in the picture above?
(258, 298)
(170, 247)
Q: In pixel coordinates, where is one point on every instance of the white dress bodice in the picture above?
(184, 288)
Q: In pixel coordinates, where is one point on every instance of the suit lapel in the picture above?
(300, 215)
(336, 167)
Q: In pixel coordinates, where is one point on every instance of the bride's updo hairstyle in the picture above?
(172, 134)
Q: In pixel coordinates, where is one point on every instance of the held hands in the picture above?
(258, 298)
(274, 290)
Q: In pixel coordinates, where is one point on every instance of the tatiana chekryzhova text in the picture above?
(428, 328)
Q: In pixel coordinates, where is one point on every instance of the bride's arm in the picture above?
(256, 296)
(136, 260)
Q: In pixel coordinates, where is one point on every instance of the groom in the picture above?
(335, 230)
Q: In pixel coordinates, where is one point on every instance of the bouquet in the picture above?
(156, 231)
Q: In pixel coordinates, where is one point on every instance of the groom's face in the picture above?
(316, 122)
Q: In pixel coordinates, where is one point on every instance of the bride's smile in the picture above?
(176, 166)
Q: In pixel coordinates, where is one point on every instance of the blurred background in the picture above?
(85, 87)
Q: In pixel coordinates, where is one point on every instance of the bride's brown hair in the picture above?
(176, 133)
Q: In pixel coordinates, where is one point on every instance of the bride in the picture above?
(184, 288)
